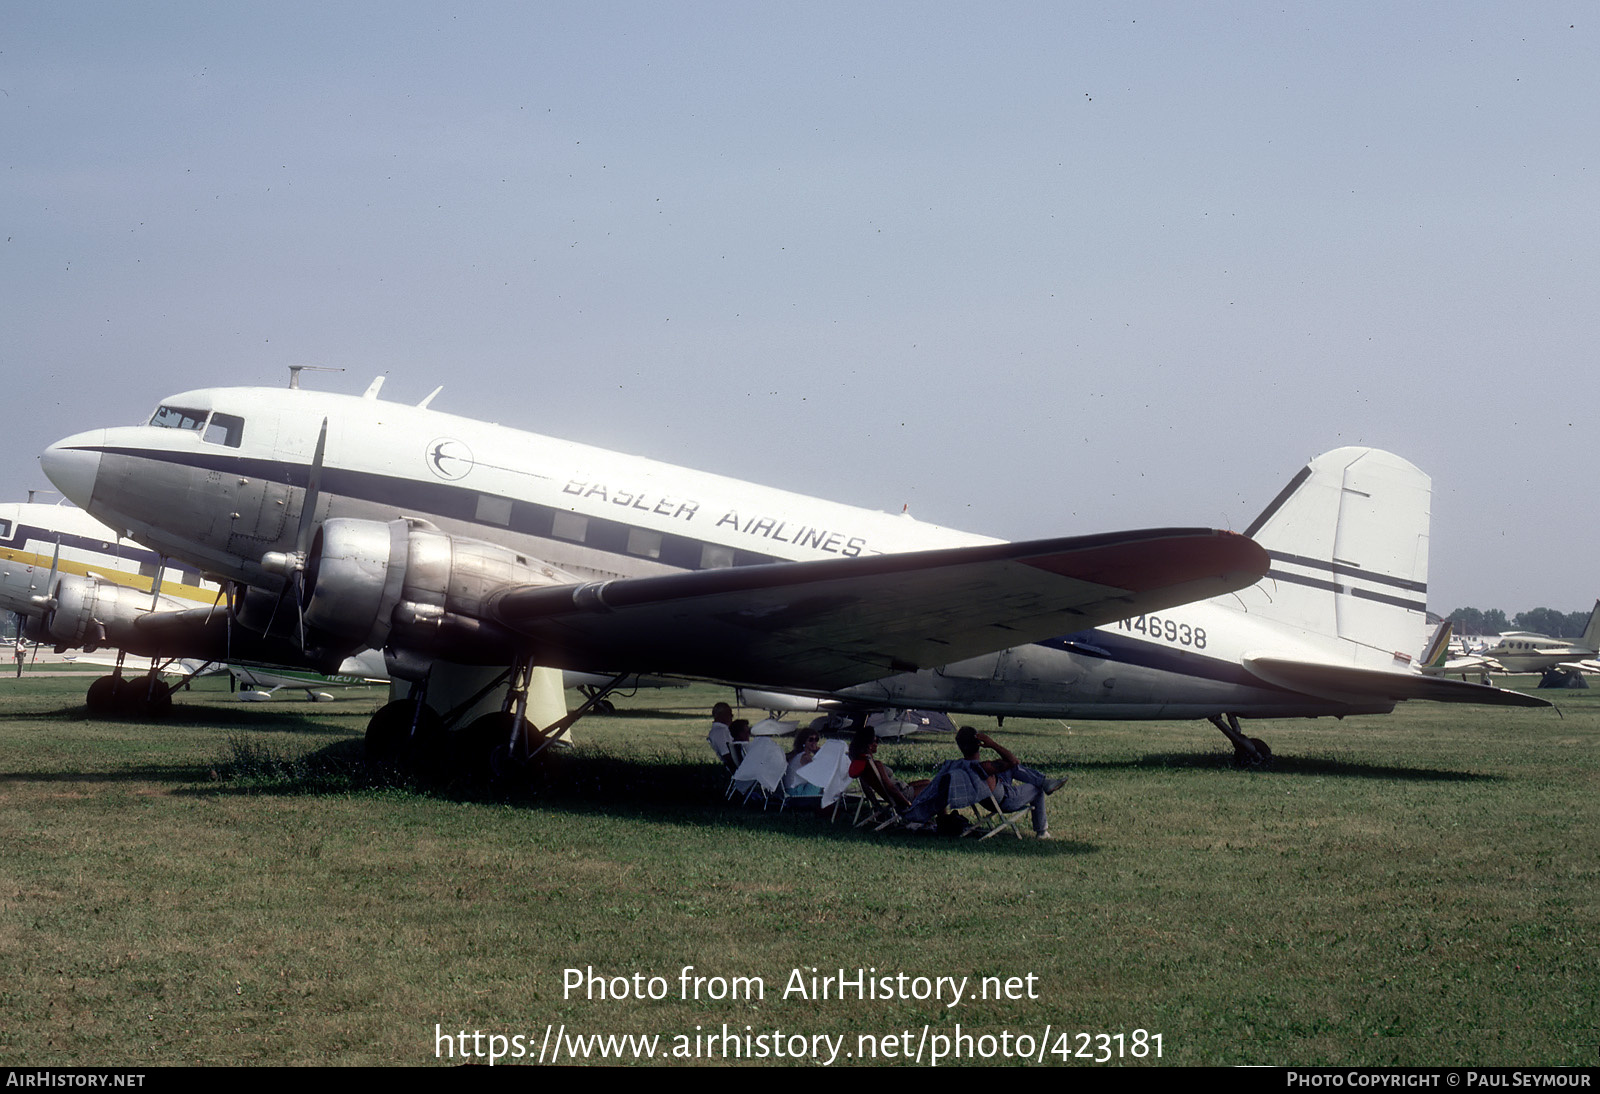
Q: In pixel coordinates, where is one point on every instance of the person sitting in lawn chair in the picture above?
(875, 775)
(971, 780)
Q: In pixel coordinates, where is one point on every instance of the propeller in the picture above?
(46, 604)
(293, 565)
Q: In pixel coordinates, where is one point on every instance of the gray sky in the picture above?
(1032, 269)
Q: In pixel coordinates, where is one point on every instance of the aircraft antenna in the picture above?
(296, 370)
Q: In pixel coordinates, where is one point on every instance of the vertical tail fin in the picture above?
(1591, 633)
(1348, 539)
(1437, 651)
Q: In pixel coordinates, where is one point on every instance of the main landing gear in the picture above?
(118, 696)
(1247, 751)
(499, 746)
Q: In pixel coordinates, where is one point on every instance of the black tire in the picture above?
(389, 731)
(145, 697)
(430, 752)
(102, 697)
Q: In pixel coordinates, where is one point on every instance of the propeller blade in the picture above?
(155, 582)
(55, 570)
(308, 508)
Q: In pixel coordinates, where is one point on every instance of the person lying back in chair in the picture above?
(1015, 786)
(875, 775)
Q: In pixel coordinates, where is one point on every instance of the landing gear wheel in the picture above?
(430, 748)
(389, 731)
(144, 697)
(1259, 762)
(102, 697)
(484, 747)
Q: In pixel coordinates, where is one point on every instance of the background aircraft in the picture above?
(1525, 651)
(471, 553)
(74, 583)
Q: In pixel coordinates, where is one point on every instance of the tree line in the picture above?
(1539, 621)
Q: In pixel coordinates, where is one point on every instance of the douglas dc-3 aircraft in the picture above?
(461, 548)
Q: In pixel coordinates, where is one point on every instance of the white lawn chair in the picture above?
(760, 772)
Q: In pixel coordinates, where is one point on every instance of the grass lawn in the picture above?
(230, 886)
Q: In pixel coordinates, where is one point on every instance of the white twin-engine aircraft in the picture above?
(471, 552)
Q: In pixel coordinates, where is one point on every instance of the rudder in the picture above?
(1348, 538)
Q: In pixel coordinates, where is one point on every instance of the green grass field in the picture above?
(231, 886)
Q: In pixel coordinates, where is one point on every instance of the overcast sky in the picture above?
(1030, 269)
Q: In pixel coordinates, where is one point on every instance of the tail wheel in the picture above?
(1262, 759)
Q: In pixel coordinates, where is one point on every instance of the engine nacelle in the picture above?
(368, 583)
(92, 613)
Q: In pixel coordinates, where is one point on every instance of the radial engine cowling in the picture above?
(406, 583)
(92, 613)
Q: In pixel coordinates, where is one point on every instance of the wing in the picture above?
(1343, 683)
(832, 623)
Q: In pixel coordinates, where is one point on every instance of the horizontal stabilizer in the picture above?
(836, 622)
(1342, 683)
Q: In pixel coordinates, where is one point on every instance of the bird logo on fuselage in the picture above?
(449, 458)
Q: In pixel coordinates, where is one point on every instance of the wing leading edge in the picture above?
(833, 623)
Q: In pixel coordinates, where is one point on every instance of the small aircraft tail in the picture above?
(1591, 633)
(1348, 539)
(1437, 651)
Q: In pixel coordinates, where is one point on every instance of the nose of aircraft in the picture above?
(73, 464)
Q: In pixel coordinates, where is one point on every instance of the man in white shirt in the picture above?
(721, 737)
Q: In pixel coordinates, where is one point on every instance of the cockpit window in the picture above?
(5, 529)
(216, 428)
(178, 417)
(225, 429)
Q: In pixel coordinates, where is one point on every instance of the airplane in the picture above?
(1446, 655)
(462, 547)
(77, 584)
(472, 553)
(1525, 651)
(73, 582)
(259, 683)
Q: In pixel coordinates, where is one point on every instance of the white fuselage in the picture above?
(1525, 652)
(222, 485)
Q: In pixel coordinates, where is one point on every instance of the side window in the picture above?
(643, 542)
(571, 526)
(225, 429)
(715, 557)
(493, 510)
